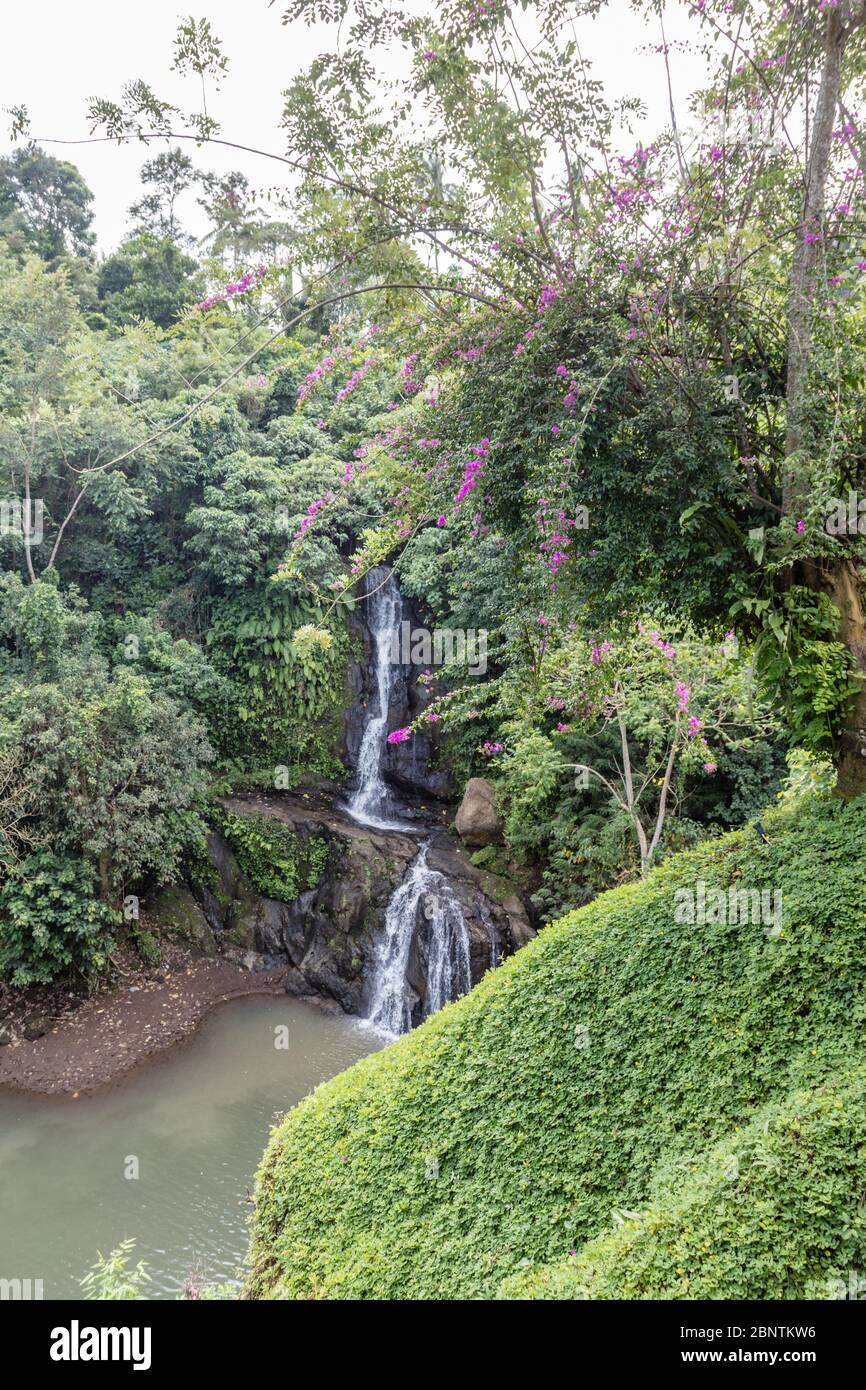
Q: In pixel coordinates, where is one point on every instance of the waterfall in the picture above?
(421, 956)
(371, 796)
(442, 943)
(448, 972)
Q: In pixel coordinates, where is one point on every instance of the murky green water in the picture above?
(196, 1121)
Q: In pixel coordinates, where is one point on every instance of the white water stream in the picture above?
(371, 795)
(424, 912)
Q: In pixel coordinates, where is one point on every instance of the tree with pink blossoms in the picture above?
(667, 708)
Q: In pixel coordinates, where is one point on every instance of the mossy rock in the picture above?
(147, 945)
(177, 915)
(276, 860)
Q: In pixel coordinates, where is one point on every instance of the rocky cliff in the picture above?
(326, 934)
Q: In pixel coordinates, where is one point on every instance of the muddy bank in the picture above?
(112, 1032)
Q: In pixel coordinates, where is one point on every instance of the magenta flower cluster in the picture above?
(321, 369)
(312, 511)
(408, 380)
(248, 281)
(473, 470)
(356, 378)
(555, 528)
(400, 736)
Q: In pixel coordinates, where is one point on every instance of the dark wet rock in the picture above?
(176, 913)
(34, 1026)
(497, 920)
(327, 936)
(326, 933)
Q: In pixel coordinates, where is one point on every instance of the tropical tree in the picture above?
(168, 175)
(148, 277)
(45, 205)
(115, 760)
(668, 708)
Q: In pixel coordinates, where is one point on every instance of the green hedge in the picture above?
(775, 1211)
(616, 1053)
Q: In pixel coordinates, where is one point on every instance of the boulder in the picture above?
(478, 821)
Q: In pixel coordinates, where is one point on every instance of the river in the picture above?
(196, 1120)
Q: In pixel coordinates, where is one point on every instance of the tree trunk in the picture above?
(801, 300)
(839, 579)
(28, 463)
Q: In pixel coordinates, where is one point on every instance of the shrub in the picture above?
(773, 1212)
(277, 861)
(51, 920)
(111, 1278)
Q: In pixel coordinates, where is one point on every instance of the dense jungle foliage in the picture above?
(596, 395)
(547, 376)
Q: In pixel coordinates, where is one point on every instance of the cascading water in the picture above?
(424, 933)
(443, 946)
(449, 971)
(371, 796)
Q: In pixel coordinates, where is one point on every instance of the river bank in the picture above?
(95, 1042)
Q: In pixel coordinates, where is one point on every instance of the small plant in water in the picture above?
(111, 1278)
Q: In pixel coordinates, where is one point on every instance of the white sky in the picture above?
(56, 57)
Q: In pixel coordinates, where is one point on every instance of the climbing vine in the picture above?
(277, 861)
(289, 693)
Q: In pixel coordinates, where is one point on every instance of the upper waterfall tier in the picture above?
(371, 800)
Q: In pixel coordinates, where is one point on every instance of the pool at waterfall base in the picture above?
(167, 1156)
